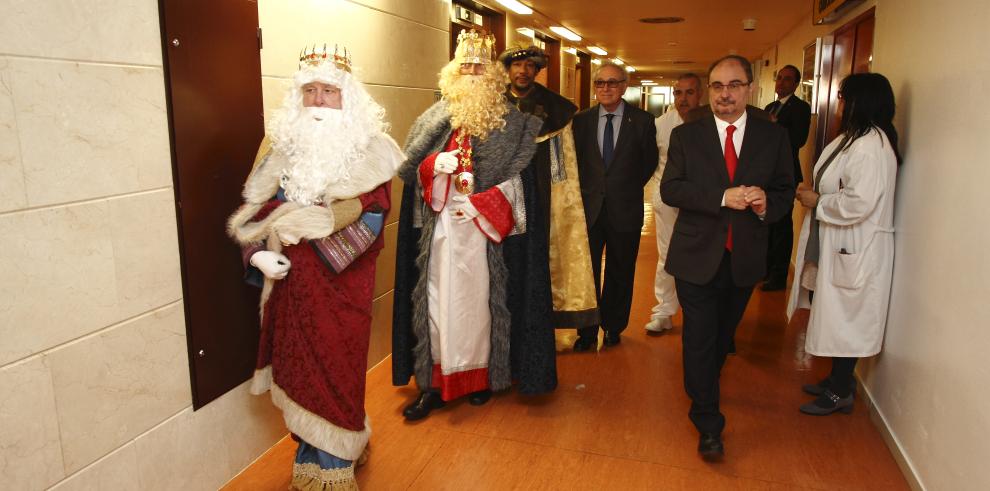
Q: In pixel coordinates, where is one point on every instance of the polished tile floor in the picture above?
(618, 420)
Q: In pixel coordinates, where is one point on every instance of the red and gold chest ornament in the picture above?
(464, 181)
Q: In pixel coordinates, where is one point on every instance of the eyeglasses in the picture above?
(733, 86)
(611, 83)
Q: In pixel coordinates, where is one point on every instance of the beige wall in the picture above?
(929, 383)
(93, 363)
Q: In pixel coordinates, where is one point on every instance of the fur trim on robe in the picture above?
(383, 158)
(499, 158)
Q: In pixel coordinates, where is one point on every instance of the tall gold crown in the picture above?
(474, 47)
(316, 59)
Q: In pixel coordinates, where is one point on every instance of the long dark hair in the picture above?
(869, 103)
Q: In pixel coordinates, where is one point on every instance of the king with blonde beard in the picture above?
(454, 320)
(309, 229)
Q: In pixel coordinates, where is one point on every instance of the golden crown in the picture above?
(316, 59)
(474, 47)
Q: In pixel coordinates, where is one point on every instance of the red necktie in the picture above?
(731, 160)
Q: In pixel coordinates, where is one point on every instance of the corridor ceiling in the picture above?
(711, 29)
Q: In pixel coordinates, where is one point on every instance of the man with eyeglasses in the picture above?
(729, 175)
(795, 116)
(616, 146)
(687, 96)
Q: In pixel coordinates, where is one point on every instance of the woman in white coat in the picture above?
(846, 250)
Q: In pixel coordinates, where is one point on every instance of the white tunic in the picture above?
(458, 283)
(855, 266)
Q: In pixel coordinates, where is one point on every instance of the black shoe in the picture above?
(421, 407)
(828, 403)
(710, 447)
(480, 397)
(774, 285)
(612, 339)
(820, 388)
(585, 343)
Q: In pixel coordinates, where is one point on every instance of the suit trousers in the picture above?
(615, 292)
(711, 313)
(781, 242)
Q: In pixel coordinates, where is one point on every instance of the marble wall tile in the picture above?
(118, 31)
(59, 281)
(12, 195)
(381, 329)
(249, 424)
(88, 131)
(30, 455)
(146, 255)
(202, 450)
(385, 265)
(402, 106)
(115, 385)
(115, 471)
(434, 13)
(387, 50)
(185, 453)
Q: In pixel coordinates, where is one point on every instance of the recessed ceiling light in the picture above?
(525, 31)
(618, 61)
(572, 50)
(596, 61)
(565, 33)
(646, 81)
(662, 20)
(598, 51)
(516, 7)
(630, 69)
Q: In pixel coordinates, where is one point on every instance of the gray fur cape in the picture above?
(502, 156)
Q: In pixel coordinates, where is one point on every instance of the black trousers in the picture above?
(615, 293)
(711, 313)
(840, 380)
(780, 242)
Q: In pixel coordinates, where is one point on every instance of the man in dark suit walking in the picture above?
(730, 175)
(795, 116)
(616, 148)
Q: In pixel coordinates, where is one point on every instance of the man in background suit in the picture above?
(730, 175)
(616, 148)
(795, 116)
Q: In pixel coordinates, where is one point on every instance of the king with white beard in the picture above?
(454, 320)
(314, 206)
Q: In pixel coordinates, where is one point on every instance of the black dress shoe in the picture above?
(585, 343)
(774, 285)
(612, 339)
(828, 403)
(421, 407)
(480, 397)
(710, 447)
(819, 388)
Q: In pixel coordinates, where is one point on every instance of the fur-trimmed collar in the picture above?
(495, 160)
(382, 160)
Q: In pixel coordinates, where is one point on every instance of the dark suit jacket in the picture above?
(795, 117)
(695, 180)
(620, 188)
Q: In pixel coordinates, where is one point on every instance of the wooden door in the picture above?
(216, 120)
(493, 22)
(583, 78)
(848, 50)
